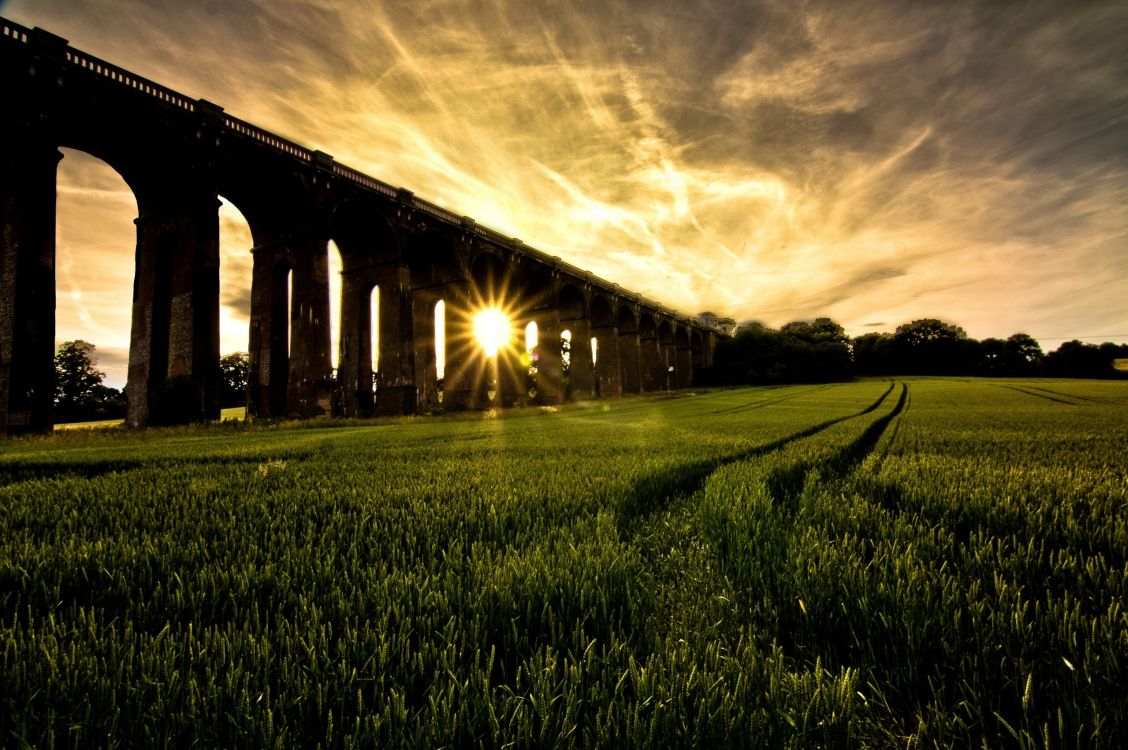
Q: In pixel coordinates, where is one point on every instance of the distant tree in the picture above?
(753, 355)
(932, 347)
(873, 354)
(992, 357)
(818, 350)
(1076, 359)
(800, 352)
(1023, 355)
(234, 369)
(79, 392)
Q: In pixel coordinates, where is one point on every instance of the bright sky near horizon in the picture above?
(874, 162)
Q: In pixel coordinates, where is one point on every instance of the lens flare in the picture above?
(492, 330)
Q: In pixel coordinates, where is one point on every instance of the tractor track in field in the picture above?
(656, 491)
(1047, 397)
(1067, 395)
(787, 484)
(749, 406)
(659, 521)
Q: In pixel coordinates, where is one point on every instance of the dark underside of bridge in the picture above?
(178, 155)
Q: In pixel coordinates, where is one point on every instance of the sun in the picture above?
(492, 329)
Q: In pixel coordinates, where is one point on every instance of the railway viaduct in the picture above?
(178, 155)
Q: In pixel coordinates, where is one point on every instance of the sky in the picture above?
(874, 162)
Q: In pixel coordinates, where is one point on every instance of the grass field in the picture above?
(923, 563)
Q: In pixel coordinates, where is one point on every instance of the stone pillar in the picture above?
(27, 287)
(684, 371)
(395, 390)
(270, 333)
(310, 378)
(629, 362)
(652, 375)
(550, 374)
(174, 339)
(608, 381)
(709, 349)
(669, 358)
(193, 337)
(581, 373)
(423, 330)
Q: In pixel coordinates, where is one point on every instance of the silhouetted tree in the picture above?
(1022, 355)
(234, 370)
(819, 350)
(873, 354)
(1015, 357)
(1075, 359)
(932, 347)
(79, 392)
(800, 352)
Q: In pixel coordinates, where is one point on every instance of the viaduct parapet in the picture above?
(178, 155)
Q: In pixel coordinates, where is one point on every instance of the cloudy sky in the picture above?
(874, 162)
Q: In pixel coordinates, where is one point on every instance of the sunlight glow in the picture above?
(335, 265)
(531, 337)
(566, 348)
(492, 330)
(440, 339)
(289, 311)
(374, 326)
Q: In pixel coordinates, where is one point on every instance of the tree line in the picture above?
(817, 351)
(820, 351)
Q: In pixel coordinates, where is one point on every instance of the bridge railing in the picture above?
(361, 178)
(96, 66)
(265, 136)
(437, 211)
(91, 64)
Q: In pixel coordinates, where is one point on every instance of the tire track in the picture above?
(785, 485)
(656, 491)
(1038, 395)
(1066, 395)
(767, 402)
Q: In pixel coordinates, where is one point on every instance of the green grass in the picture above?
(925, 563)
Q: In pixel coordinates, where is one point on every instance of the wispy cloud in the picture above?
(763, 159)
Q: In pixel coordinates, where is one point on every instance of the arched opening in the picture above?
(492, 295)
(566, 354)
(531, 358)
(491, 283)
(374, 331)
(236, 267)
(336, 266)
(440, 343)
(95, 243)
